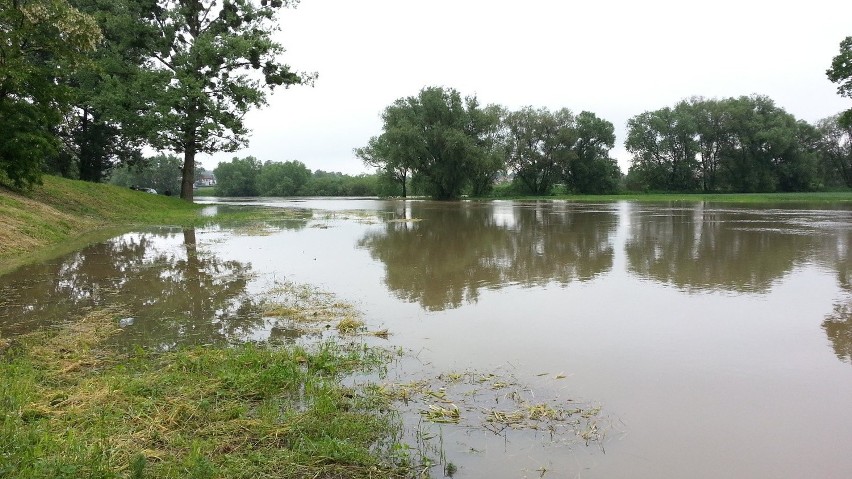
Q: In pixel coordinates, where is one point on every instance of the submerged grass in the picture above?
(497, 403)
(72, 407)
(310, 309)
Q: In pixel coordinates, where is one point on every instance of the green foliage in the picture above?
(212, 63)
(545, 148)
(664, 148)
(162, 172)
(282, 179)
(324, 183)
(744, 144)
(41, 43)
(841, 73)
(835, 152)
(440, 137)
(391, 163)
(238, 178)
(538, 146)
(103, 128)
(591, 170)
(248, 177)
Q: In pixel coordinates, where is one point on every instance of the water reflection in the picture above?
(708, 248)
(444, 258)
(838, 324)
(170, 289)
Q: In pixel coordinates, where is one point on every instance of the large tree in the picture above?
(439, 136)
(161, 173)
(391, 161)
(213, 62)
(282, 179)
(103, 128)
(745, 144)
(238, 177)
(590, 169)
(841, 73)
(835, 152)
(41, 43)
(538, 146)
(664, 149)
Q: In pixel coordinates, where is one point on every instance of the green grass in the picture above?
(61, 209)
(73, 407)
(205, 191)
(63, 213)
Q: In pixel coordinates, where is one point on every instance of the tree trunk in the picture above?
(188, 174)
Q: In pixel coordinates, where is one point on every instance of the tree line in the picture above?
(249, 177)
(454, 146)
(450, 146)
(745, 144)
(86, 85)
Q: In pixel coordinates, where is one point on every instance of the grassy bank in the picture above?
(71, 213)
(205, 191)
(74, 407)
(62, 209)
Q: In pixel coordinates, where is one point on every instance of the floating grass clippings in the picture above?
(497, 403)
(71, 407)
(440, 414)
(310, 309)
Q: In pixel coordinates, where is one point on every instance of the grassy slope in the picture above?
(62, 209)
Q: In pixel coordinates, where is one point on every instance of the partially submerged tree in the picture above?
(745, 144)
(538, 145)
(438, 136)
(391, 162)
(544, 148)
(213, 62)
(590, 169)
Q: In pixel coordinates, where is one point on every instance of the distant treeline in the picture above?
(249, 177)
(441, 145)
(452, 146)
(87, 87)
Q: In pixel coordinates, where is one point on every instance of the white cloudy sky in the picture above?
(616, 58)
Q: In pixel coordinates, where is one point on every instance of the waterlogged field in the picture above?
(525, 339)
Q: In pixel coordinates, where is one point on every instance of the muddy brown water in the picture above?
(716, 339)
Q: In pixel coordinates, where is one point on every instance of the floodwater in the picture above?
(716, 339)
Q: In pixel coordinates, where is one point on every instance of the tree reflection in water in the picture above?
(173, 291)
(698, 248)
(451, 252)
(838, 324)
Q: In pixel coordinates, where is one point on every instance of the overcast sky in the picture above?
(616, 58)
